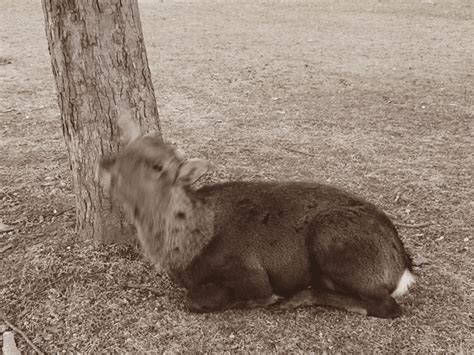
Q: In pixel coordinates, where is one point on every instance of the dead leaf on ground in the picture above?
(5, 248)
(420, 260)
(5, 228)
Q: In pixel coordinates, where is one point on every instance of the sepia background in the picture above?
(373, 96)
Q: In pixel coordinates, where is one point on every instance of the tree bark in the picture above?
(101, 72)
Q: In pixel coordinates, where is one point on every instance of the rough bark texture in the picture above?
(101, 70)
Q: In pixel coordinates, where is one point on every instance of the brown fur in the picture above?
(247, 244)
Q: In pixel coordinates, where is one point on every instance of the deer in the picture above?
(245, 244)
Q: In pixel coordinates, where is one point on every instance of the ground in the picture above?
(373, 96)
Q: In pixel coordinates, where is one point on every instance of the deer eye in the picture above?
(157, 167)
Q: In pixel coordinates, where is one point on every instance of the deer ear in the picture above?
(191, 171)
(129, 130)
(105, 169)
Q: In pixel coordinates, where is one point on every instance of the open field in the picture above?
(372, 96)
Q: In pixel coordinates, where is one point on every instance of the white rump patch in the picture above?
(404, 284)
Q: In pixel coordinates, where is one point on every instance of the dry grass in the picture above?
(377, 93)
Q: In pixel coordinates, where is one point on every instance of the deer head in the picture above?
(147, 169)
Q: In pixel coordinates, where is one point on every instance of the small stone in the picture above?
(9, 345)
(5, 228)
(3, 328)
(420, 260)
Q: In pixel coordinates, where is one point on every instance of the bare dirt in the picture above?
(372, 96)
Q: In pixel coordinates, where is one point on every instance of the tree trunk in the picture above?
(101, 72)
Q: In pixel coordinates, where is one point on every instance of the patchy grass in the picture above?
(373, 96)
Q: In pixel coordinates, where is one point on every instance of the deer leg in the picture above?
(258, 302)
(381, 307)
(208, 297)
(357, 261)
(211, 297)
(241, 288)
(251, 287)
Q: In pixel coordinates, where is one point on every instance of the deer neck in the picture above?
(182, 227)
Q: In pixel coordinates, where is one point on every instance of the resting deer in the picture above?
(249, 244)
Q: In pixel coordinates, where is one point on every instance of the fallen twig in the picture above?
(48, 286)
(141, 287)
(15, 329)
(298, 151)
(48, 214)
(397, 197)
(407, 225)
(6, 247)
(419, 225)
(40, 108)
(52, 214)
